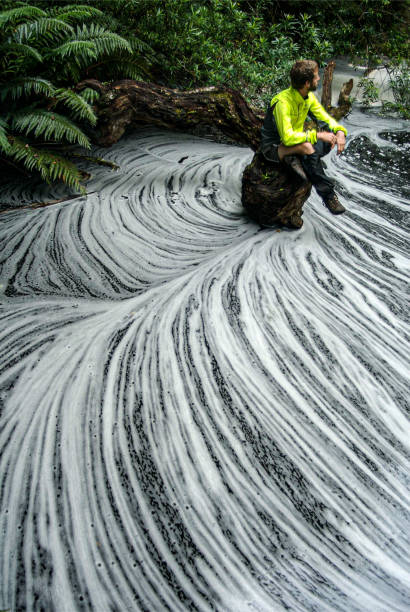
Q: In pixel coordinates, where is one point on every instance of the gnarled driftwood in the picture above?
(130, 102)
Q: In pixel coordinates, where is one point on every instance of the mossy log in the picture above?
(269, 194)
(126, 103)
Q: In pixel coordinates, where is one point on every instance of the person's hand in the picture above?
(328, 137)
(340, 141)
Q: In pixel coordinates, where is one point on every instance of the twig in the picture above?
(96, 160)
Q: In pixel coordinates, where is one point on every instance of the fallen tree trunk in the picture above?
(129, 102)
(269, 194)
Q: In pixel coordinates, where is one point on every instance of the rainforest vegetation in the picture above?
(48, 46)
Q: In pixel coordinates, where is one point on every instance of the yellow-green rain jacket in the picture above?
(290, 110)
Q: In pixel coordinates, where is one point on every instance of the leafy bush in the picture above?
(218, 43)
(43, 51)
(400, 86)
(367, 29)
(370, 92)
(399, 77)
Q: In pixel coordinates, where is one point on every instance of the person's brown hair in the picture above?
(302, 71)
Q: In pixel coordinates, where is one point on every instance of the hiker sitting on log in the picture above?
(283, 136)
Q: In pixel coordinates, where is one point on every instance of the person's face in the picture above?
(314, 82)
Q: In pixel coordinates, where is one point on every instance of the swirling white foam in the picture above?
(199, 414)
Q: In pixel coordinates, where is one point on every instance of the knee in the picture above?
(307, 148)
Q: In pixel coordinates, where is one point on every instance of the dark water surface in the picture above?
(198, 414)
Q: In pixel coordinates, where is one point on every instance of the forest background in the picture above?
(47, 46)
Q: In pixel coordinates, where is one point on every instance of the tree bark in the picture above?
(270, 193)
(273, 193)
(130, 102)
(326, 99)
(344, 104)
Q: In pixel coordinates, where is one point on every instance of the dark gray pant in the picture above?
(312, 165)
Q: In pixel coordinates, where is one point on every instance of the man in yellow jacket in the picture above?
(283, 135)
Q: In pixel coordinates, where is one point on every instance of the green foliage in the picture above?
(25, 86)
(400, 86)
(21, 12)
(43, 52)
(219, 43)
(366, 29)
(89, 95)
(48, 125)
(72, 13)
(80, 108)
(50, 166)
(399, 76)
(400, 83)
(370, 92)
(4, 141)
(44, 29)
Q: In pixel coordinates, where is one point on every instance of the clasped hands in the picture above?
(339, 138)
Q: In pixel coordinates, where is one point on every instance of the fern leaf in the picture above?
(80, 108)
(89, 32)
(83, 49)
(73, 12)
(13, 48)
(51, 166)
(120, 65)
(130, 69)
(110, 43)
(48, 27)
(25, 86)
(106, 41)
(141, 46)
(4, 141)
(89, 95)
(20, 12)
(50, 126)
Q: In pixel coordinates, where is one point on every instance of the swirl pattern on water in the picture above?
(198, 414)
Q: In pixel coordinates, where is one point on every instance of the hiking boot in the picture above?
(293, 161)
(294, 222)
(332, 203)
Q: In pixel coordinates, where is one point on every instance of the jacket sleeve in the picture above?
(319, 112)
(288, 135)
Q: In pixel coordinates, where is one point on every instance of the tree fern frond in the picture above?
(76, 103)
(84, 50)
(106, 42)
(49, 27)
(62, 169)
(47, 163)
(26, 86)
(73, 12)
(128, 68)
(19, 13)
(89, 95)
(14, 48)
(50, 126)
(4, 141)
(90, 32)
(110, 43)
(141, 46)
